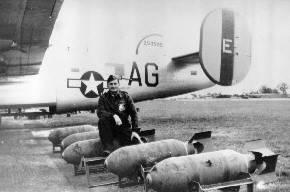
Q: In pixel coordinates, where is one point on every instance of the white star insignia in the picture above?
(91, 84)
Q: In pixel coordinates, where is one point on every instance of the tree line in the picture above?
(281, 88)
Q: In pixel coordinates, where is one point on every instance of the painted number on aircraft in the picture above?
(151, 79)
(227, 46)
(153, 43)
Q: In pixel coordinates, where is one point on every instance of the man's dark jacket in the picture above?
(120, 104)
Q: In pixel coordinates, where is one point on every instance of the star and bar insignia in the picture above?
(91, 84)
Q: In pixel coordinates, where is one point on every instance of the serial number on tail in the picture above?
(153, 43)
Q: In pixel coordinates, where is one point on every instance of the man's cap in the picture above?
(112, 78)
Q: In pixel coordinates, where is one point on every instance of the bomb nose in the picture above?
(148, 180)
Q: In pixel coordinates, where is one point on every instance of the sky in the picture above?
(102, 30)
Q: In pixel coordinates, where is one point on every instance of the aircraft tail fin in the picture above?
(225, 47)
(202, 141)
(265, 160)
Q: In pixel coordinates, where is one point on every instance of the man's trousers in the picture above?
(109, 131)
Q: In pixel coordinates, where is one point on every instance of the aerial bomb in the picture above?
(126, 161)
(178, 173)
(88, 148)
(78, 137)
(57, 135)
(91, 148)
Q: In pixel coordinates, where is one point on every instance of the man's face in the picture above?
(113, 85)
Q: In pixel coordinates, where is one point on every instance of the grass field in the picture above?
(232, 122)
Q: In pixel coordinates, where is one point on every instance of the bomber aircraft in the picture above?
(146, 57)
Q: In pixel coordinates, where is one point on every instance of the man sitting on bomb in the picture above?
(114, 108)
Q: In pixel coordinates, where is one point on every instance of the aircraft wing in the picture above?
(25, 29)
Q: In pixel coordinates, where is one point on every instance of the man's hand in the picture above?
(117, 120)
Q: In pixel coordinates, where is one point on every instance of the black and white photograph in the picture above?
(145, 95)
